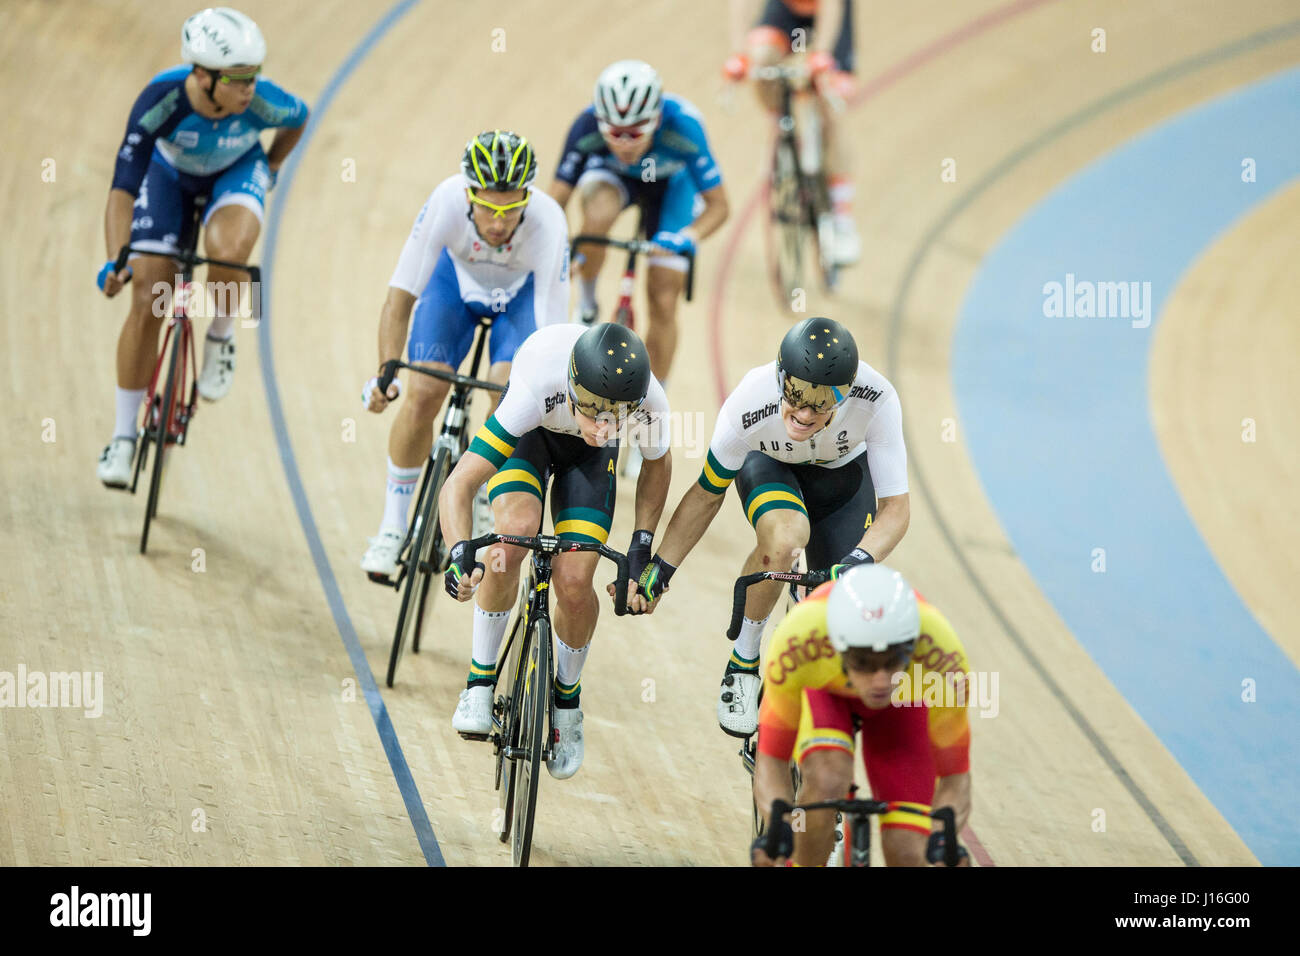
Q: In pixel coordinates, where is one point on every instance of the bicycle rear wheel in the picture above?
(532, 727)
(164, 421)
(420, 568)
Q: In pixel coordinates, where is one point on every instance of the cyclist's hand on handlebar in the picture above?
(785, 846)
(462, 577)
(736, 68)
(934, 851)
(851, 560)
(819, 62)
(110, 282)
(638, 556)
(654, 580)
(375, 401)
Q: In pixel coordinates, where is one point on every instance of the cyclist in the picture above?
(812, 441)
(636, 144)
(783, 26)
(484, 244)
(571, 390)
(192, 133)
(841, 658)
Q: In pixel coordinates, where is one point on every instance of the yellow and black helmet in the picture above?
(498, 159)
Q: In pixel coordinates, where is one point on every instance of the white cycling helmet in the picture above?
(627, 93)
(870, 606)
(218, 38)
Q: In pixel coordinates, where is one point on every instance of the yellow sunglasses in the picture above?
(498, 212)
(242, 79)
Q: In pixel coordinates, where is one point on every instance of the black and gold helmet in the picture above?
(609, 371)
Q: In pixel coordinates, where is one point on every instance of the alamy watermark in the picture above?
(82, 690)
(1084, 299)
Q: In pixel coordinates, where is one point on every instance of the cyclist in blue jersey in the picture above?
(635, 144)
(193, 133)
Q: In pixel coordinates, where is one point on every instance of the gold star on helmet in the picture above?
(610, 352)
(619, 371)
(821, 355)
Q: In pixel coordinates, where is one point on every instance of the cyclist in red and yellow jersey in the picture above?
(840, 659)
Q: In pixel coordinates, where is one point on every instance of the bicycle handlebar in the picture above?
(743, 584)
(790, 73)
(641, 247)
(192, 259)
(389, 370)
(550, 544)
(944, 815)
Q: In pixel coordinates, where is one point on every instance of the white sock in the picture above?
(587, 292)
(397, 498)
(568, 670)
(489, 629)
(222, 327)
(128, 412)
(749, 641)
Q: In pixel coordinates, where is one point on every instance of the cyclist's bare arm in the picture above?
(560, 191)
(283, 143)
(692, 518)
(771, 782)
(826, 26)
(394, 322)
(716, 210)
(652, 490)
(458, 495)
(893, 515)
(954, 791)
(117, 233)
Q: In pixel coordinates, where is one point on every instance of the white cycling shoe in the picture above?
(474, 711)
(738, 703)
(380, 559)
(115, 462)
(584, 316)
(567, 750)
(218, 368)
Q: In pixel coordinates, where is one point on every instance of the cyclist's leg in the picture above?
(900, 768)
(678, 206)
(513, 321)
(773, 501)
(824, 751)
(442, 330)
(838, 168)
(157, 215)
(516, 494)
(230, 229)
(769, 42)
(841, 505)
(603, 194)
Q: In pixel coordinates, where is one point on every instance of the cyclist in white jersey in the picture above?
(571, 389)
(814, 442)
(484, 244)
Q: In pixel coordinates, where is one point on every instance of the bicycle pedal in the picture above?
(380, 578)
(473, 736)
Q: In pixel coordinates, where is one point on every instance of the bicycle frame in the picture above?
(623, 312)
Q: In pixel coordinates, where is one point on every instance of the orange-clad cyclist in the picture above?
(840, 659)
(824, 30)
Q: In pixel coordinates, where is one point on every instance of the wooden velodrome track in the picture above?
(234, 727)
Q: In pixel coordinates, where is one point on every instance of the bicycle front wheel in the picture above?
(165, 413)
(532, 727)
(788, 223)
(420, 568)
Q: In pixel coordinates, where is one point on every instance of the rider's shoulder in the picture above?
(681, 111)
(276, 106)
(542, 205)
